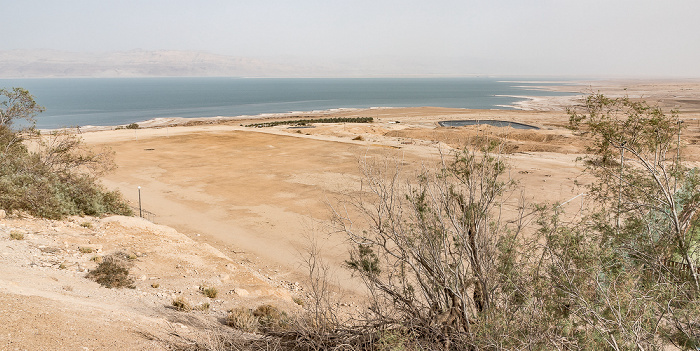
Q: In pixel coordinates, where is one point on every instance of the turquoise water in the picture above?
(114, 101)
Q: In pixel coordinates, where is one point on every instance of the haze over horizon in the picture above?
(598, 38)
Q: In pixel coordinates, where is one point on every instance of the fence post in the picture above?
(140, 210)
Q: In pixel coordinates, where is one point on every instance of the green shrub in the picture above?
(56, 180)
(27, 185)
(304, 122)
(132, 126)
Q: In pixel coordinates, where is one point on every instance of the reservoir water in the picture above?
(490, 122)
(115, 101)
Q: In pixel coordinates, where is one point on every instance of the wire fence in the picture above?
(140, 212)
(682, 268)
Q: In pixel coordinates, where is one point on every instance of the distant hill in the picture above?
(134, 63)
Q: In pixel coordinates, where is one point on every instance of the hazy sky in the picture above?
(499, 37)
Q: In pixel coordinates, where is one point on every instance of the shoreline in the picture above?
(230, 103)
(162, 122)
(528, 103)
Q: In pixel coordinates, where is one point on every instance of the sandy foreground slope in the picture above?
(242, 205)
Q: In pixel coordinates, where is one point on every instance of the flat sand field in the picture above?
(261, 194)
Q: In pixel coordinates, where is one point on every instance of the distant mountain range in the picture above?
(175, 63)
(134, 63)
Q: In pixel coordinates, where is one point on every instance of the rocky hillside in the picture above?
(47, 302)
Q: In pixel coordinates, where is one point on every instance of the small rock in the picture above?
(2, 214)
(143, 277)
(90, 248)
(241, 292)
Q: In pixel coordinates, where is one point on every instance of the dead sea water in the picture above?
(115, 101)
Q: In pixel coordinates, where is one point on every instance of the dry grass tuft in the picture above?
(15, 235)
(210, 292)
(181, 304)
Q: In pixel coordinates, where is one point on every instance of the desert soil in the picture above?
(237, 207)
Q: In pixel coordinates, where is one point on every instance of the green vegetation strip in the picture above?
(303, 122)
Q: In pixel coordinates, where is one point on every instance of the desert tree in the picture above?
(627, 272)
(57, 175)
(65, 153)
(642, 182)
(16, 104)
(434, 250)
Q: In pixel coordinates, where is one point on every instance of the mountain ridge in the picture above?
(47, 63)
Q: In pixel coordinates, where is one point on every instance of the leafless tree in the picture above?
(428, 250)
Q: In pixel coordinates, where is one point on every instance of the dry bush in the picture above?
(271, 318)
(181, 304)
(16, 235)
(429, 254)
(512, 140)
(112, 272)
(210, 292)
(242, 319)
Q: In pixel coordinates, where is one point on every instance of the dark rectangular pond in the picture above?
(490, 122)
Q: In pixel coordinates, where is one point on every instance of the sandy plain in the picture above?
(244, 204)
(262, 193)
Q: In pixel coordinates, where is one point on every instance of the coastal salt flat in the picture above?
(256, 190)
(244, 202)
(261, 193)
